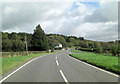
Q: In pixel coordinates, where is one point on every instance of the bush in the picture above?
(114, 49)
(52, 50)
(58, 48)
(88, 49)
(99, 47)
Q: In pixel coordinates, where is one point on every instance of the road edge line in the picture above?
(96, 67)
(19, 69)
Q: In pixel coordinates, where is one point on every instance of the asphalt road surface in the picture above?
(58, 67)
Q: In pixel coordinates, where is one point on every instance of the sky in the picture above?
(96, 21)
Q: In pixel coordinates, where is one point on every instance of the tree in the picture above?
(81, 38)
(5, 35)
(53, 42)
(91, 44)
(83, 44)
(105, 45)
(114, 49)
(98, 46)
(18, 45)
(14, 36)
(73, 42)
(6, 45)
(39, 39)
(61, 40)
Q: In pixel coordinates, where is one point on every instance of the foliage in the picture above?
(61, 40)
(88, 49)
(91, 44)
(114, 49)
(6, 45)
(83, 44)
(52, 42)
(73, 42)
(98, 46)
(39, 39)
(18, 45)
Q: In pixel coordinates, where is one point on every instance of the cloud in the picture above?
(107, 12)
(97, 31)
(22, 14)
(68, 18)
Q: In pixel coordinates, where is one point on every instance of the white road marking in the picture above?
(18, 69)
(56, 57)
(57, 63)
(65, 79)
(62, 72)
(96, 67)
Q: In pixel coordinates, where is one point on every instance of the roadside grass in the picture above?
(10, 63)
(73, 50)
(103, 61)
(22, 53)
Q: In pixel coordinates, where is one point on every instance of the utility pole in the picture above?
(26, 44)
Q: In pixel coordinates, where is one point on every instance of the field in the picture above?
(73, 50)
(104, 61)
(8, 63)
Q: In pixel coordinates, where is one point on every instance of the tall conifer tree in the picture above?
(39, 39)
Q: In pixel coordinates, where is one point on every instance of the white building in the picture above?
(60, 45)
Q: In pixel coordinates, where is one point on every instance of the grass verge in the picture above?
(103, 61)
(73, 50)
(9, 63)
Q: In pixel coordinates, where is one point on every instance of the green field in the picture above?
(106, 62)
(8, 63)
(73, 50)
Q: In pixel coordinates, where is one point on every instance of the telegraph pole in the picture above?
(26, 44)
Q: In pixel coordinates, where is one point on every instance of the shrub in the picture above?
(87, 49)
(114, 49)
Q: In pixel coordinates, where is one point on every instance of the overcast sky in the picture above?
(91, 20)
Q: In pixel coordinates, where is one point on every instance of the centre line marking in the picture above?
(56, 56)
(65, 79)
(57, 63)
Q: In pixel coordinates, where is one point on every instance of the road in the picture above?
(58, 67)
